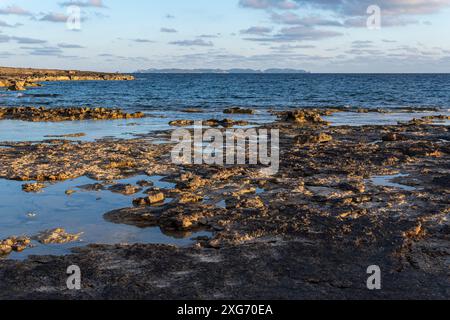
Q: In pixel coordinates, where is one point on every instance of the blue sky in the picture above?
(319, 36)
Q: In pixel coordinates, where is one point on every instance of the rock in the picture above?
(181, 123)
(70, 192)
(17, 244)
(193, 110)
(5, 249)
(17, 86)
(189, 198)
(391, 137)
(226, 123)
(154, 197)
(144, 183)
(33, 187)
(56, 236)
(314, 139)
(125, 189)
(191, 182)
(304, 117)
(41, 114)
(251, 203)
(93, 187)
(238, 111)
(71, 135)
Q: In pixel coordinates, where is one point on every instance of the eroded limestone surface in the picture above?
(309, 232)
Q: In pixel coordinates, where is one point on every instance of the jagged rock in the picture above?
(33, 187)
(238, 111)
(154, 197)
(17, 244)
(181, 123)
(191, 182)
(126, 189)
(390, 137)
(56, 236)
(17, 86)
(226, 123)
(304, 117)
(42, 114)
(189, 198)
(314, 139)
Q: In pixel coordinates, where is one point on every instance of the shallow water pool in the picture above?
(30, 213)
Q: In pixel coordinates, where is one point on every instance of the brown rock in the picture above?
(154, 197)
(238, 111)
(17, 86)
(56, 236)
(126, 189)
(33, 187)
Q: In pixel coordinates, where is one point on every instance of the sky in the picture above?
(313, 35)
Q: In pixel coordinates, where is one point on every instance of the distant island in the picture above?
(222, 71)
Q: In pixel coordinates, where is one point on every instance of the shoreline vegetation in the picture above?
(18, 79)
(309, 232)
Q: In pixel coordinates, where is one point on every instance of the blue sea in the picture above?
(173, 92)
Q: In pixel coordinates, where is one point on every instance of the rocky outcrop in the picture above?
(226, 123)
(239, 111)
(16, 79)
(42, 114)
(17, 86)
(58, 236)
(304, 117)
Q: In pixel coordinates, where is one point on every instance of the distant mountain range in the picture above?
(221, 71)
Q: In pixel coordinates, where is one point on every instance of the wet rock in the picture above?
(17, 86)
(181, 123)
(42, 114)
(304, 117)
(251, 203)
(125, 189)
(191, 182)
(93, 187)
(56, 236)
(144, 183)
(238, 111)
(153, 198)
(17, 244)
(189, 198)
(193, 110)
(226, 123)
(33, 187)
(438, 117)
(71, 135)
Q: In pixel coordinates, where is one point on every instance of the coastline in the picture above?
(18, 79)
(307, 233)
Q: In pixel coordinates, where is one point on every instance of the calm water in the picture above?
(30, 213)
(214, 92)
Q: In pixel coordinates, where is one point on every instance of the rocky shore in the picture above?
(18, 79)
(310, 232)
(42, 114)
